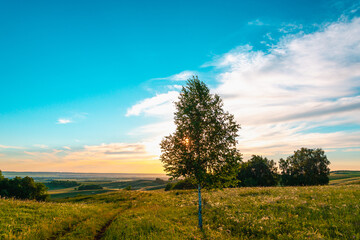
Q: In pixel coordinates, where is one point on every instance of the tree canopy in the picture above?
(305, 167)
(258, 171)
(203, 146)
(22, 188)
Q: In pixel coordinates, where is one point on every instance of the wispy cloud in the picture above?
(74, 117)
(290, 28)
(160, 105)
(64, 121)
(257, 22)
(182, 76)
(10, 147)
(43, 146)
(352, 150)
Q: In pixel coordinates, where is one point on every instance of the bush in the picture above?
(90, 187)
(128, 188)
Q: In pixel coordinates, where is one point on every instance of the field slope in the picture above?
(344, 177)
(327, 212)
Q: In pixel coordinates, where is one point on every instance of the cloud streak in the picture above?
(64, 121)
(182, 76)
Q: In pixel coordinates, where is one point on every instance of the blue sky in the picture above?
(88, 85)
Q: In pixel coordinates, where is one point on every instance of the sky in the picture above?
(90, 86)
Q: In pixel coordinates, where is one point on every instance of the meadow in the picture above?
(317, 212)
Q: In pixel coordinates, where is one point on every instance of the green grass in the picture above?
(319, 212)
(44, 220)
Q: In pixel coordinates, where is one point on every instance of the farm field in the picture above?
(318, 212)
(344, 177)
(108, 186)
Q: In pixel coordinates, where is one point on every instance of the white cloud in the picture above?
(67, 147)
(63, 121)
(160, 105)
(304, 81)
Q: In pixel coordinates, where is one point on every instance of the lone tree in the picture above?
(203, 146)
(305, 167)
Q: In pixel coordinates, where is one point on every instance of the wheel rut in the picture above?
(100, 234)
(65, 230)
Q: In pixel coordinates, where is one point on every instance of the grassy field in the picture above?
(327, 212)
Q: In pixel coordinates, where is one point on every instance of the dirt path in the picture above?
(65, 230)
(100, 234)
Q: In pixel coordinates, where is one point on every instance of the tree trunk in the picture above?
(200, 215)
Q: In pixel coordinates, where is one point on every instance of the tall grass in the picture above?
(319, 212)
(44, 220)
(247, 213)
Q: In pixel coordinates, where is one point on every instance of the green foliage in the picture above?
(182, 184)
(62, 183)
(203, 147)
(22, 188)
(160, 181)
(90, 187)
(258, 171)
(305, 167)
(128, 188)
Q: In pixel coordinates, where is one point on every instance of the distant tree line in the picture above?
(22, 188)
(62, 183)
(304, 168)
(90, 187)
